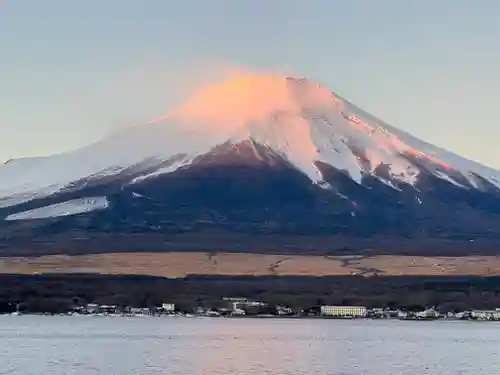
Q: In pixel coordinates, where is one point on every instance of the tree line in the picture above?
(59, 293)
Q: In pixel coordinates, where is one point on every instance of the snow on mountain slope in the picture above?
(450, 160)
(68, 208)
(295, 118)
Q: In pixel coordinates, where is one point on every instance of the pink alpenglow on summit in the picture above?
(293, 117)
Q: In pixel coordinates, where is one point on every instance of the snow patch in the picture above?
(171, 168)
(445, 177)
(389, 183)
(68, 208)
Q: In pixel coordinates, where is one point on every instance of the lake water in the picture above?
(146, 346)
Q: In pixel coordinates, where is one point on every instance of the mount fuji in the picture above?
(255, 163)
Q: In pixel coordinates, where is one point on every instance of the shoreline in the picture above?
(270, 317)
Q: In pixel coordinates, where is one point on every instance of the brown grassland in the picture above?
(181, 264)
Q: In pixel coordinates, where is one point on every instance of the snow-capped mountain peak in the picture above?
(293, 117)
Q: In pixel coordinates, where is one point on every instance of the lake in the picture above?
(168, 345)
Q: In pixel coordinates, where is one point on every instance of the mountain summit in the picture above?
(260, 155)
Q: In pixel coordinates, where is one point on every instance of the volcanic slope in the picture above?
(255, 163)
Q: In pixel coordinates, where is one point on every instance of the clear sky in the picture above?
(72, 71)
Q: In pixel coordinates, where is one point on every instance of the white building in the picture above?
(238, 312)
(402, 314)
(344, 311)
(168, 307)
(428, 314)
(138, 311)
(92, 308)
(243, 303)
(485, 314)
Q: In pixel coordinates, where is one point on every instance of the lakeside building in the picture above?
(168, 308)
(92, 308)
(107, 309)
(240, 303)
(428, 314)
(344, 311)
(485, 314)
(136, 311)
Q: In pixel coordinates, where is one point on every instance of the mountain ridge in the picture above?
(263, 156)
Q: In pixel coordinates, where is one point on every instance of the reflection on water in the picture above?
(146, 346)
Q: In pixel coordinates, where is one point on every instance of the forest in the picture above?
(59, 293)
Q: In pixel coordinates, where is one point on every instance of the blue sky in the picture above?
(72, 71)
